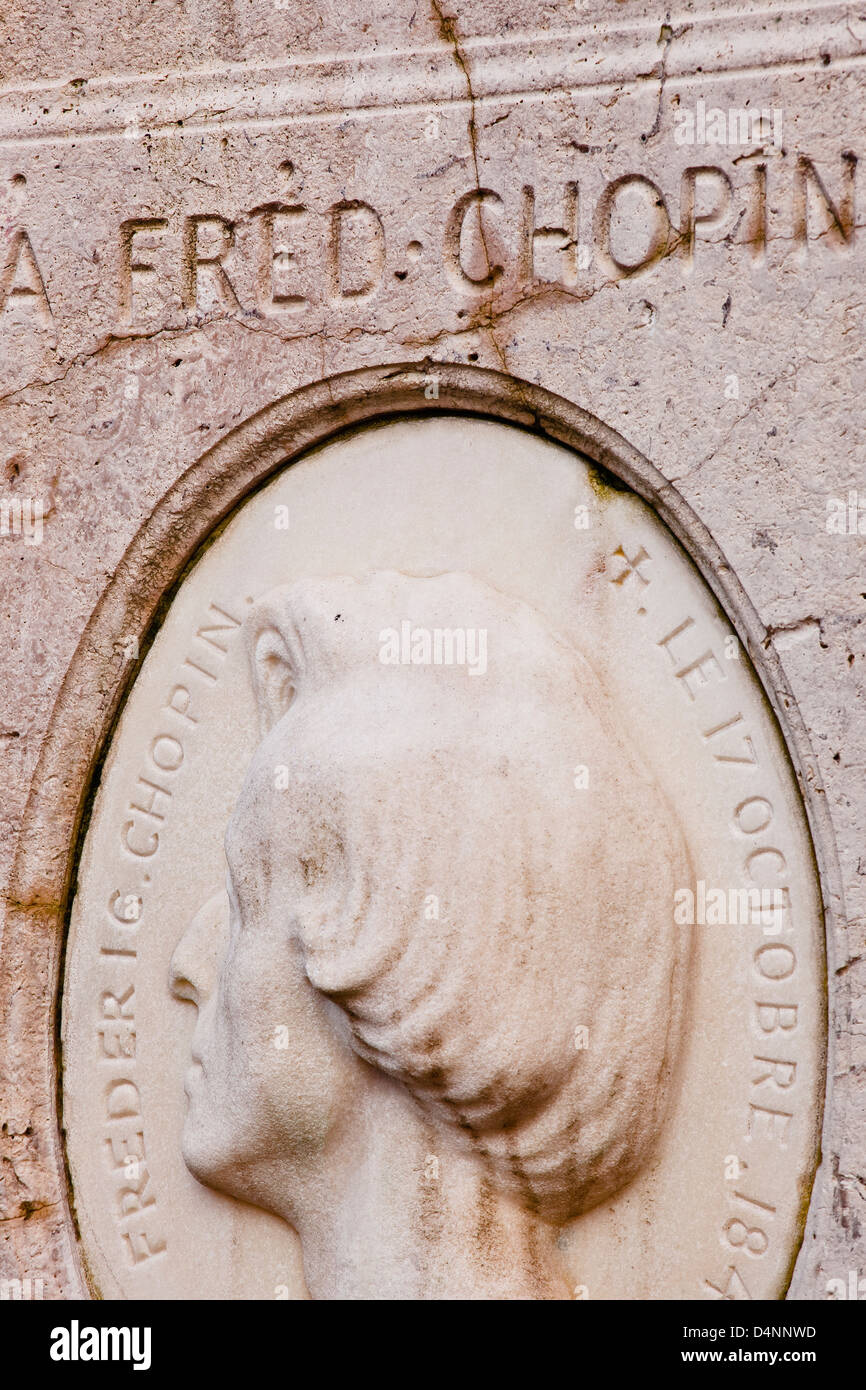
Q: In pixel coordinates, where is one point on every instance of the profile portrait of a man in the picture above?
(441, 1000)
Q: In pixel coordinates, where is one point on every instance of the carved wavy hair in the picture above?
(468, 906)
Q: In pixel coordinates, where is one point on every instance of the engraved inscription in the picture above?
(291, 258)
(769, 1105)
(136, 1210)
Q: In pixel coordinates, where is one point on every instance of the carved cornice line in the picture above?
(595, 58)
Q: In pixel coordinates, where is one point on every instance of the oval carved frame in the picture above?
(39, 1222)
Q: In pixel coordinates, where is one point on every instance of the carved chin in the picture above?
(206, 1158)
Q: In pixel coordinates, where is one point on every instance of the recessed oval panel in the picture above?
(447, 921)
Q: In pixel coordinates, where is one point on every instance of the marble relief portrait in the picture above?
(376, 985)
(441, 999)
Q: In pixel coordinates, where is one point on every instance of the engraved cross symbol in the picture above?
(631, 567)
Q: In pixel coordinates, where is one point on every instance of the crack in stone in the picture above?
(666, 37)
(758, 401)
(447, 26)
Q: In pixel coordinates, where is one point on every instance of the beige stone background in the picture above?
(169, 113)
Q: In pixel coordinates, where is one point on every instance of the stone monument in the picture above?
(433, 712)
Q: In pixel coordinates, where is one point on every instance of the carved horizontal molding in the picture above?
(593, 58)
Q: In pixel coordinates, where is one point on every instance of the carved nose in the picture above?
(194, 965)
(179, 972)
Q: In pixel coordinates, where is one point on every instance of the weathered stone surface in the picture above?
(457, 210)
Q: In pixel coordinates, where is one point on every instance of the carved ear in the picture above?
(273, 677)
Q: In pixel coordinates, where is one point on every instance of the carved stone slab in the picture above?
(620, 256)
(665, 781)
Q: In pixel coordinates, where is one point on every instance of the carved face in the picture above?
(272, 1071)
(414, 882)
